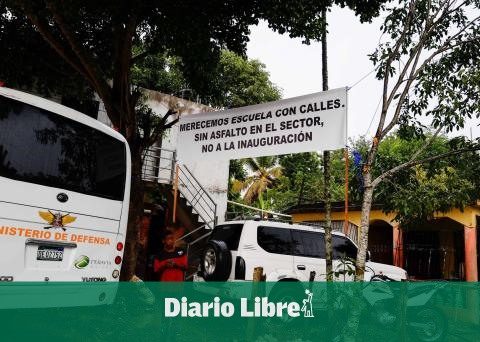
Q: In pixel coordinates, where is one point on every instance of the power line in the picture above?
(356, 83)
(364, 77)
(374, 115)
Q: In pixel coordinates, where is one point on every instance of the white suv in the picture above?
(285, 251)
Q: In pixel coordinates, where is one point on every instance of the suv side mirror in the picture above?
(369, 256)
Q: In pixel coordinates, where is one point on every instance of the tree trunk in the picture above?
(364, 226)
(328, 221)
(324, 53)
(300, 194)
(135, 212)
(326, 163)
(351, 329)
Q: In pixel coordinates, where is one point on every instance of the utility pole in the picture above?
(326, 163)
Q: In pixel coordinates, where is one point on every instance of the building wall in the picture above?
(453, 233)
(213, 176)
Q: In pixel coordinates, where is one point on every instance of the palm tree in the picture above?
(263, 175)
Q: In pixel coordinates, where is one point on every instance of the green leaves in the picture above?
(240, 82)
(234, 82)
(262, 174)
(415, 194)
(431, 49)
(426, 194)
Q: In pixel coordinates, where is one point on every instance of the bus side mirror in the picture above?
(369, 256)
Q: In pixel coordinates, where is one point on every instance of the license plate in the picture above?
(50, 253)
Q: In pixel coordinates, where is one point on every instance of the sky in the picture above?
(296, 67)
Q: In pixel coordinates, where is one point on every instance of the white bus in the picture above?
(64, 193)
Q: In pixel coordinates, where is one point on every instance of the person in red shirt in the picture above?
(172, 263)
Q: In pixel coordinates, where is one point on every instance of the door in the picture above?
(423, 254)
(380, 242)
(309, 255)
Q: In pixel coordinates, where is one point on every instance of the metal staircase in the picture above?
(160, 165)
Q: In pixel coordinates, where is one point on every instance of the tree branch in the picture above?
(414, 55)
(170, 124)
(121, 85)
(72, 60)
(427, 144)
(161, 127)
(456, 8)
(416, 52)
(404, 93)
(415, 72)
(100, 85)
(411, 163)
(139, 57)
(388, 66)
(55, 44)
(444, 48)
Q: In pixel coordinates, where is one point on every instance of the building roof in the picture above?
(319, 207)
(339, 206)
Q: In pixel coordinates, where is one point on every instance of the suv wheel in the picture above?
(216, 261)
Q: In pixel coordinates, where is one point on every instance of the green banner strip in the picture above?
(241, 311)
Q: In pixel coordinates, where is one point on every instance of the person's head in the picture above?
(169, 242)
(172, 234)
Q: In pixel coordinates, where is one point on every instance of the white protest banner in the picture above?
(306, 123)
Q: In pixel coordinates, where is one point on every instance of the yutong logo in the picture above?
(93, 279)
(261, 307)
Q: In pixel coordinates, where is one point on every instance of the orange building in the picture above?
(445, 247)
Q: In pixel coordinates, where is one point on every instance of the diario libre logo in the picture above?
(261, 307)
(56, 220)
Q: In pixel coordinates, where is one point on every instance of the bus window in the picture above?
(41, 147)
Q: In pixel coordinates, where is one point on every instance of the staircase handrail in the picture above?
(203, 226)
(196, 180)
(200, 200)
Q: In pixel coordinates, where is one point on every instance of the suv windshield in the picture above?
(229, 233)
(41, 147)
